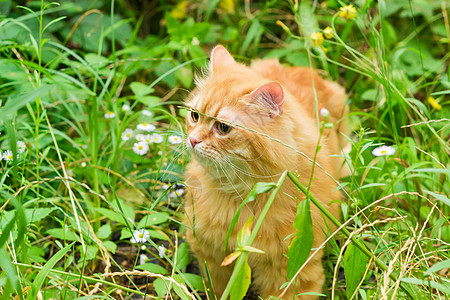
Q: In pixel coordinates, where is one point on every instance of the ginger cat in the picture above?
(228, 160)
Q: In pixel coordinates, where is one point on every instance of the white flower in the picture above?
(146, 127)
(157, 138)
(147, 113)
(324, 112)
(84, 146)
(21, 147)
(127, 134)
(161, 251)
(83, 164)
(160, 153)
(110, 115)
(175, 139)
(8, 155)
(148, 138)
(140, 236)
(140, 137)
(140, 148)
(126, 107)
(142, 259)
(176, 193)
(383, 150)
(195, 41)
(164, 187)
(179, 192)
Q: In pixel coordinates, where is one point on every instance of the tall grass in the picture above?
(85, 213)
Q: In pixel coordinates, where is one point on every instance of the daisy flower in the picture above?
(161, 250)
(146, 127)
(143, 259)
(147, 113)
(148, 138)
(157, 138)
(140, 148)
(175, 139)
(126, 107)
(140, 236)
(21, 147)
(8, 155)
(110, 115)
(348, 12)
(127, 134)
(177, 193)
(383, 150)
(140, 137)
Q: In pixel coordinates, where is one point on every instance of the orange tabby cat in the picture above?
(228, 160)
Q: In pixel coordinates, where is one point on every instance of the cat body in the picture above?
(233, 110)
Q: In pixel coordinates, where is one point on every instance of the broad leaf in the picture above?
(242, 283)
(355, 263)
(301, 245)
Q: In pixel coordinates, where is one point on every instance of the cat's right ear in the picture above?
(271, 96)
(220, 58)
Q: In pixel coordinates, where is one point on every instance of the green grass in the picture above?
(72, 198)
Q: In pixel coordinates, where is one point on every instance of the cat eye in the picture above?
(194, 116)
(223, 128)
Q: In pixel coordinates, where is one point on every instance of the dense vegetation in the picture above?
(92, 153)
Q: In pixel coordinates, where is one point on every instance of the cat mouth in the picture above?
(210, 155)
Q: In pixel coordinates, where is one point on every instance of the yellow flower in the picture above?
(348, 12)
(317, 38)
(329, 32)
(434, 103)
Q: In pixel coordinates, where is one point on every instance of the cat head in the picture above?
(227, 108)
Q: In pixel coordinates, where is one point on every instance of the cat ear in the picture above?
(270, 95)
(220, 57)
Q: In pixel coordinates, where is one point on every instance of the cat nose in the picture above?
(194, 141)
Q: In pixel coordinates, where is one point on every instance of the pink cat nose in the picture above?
(194, 141)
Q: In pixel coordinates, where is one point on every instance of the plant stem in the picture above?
(243, 257)
(357, 243)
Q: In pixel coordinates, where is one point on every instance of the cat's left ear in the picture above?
(270, 95)
(220, 57)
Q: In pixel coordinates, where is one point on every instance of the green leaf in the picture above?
(160, 287)
(194, 280)
(301, 245)
(9, 269)
(443, 287)
(183, 257)
(37, 214)
(151, 219)
(440, 197)
(13, 104)
(438, 266)
(110, 246)
(104, 232)
(355, 263)
(40, 278)
(154, 268)
(140, 89)
(242, 283)
(177, 289)
(63, 234)
(111, 215)
(259, 188)
(158, 235)
(245, 233)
